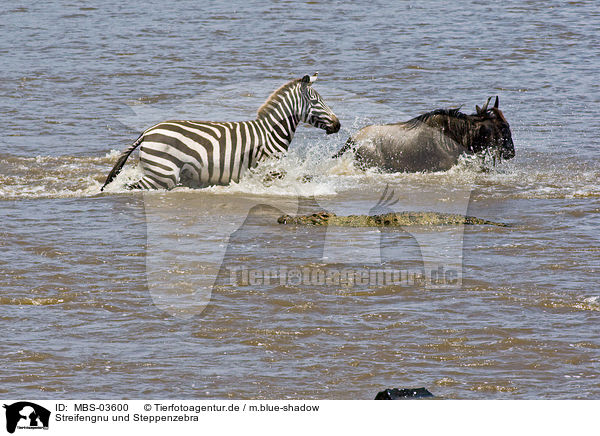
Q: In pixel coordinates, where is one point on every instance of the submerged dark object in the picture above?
(392, 219)
(402, 394)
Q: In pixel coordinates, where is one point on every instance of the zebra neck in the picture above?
(279, 130)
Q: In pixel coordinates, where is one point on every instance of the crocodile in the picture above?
(392, 219)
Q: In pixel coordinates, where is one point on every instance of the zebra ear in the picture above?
(309, 79)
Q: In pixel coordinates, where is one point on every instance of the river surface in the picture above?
(200, 294)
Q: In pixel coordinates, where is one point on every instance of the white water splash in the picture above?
(307, 171)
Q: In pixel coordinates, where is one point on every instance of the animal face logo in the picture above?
(24, 414)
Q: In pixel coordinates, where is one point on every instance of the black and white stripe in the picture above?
(199, 153)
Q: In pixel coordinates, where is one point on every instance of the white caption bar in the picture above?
(23, 417)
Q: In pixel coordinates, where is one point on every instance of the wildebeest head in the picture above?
(492, 132)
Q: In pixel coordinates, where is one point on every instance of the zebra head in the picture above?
(316, 112)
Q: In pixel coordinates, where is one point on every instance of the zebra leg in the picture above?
(152, 180)
(156, 176)
(144, 183)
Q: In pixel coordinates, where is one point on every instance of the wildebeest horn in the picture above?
(496, 104)
(485, 106)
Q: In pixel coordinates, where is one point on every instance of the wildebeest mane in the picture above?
(435, 117)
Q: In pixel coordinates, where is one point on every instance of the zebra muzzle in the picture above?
(334, 128)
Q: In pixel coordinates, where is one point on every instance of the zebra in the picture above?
(205, 153)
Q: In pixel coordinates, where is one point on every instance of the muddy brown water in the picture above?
(201, 294)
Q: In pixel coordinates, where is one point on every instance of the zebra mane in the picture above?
(273, 98)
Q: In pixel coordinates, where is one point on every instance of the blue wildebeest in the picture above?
(432, 141)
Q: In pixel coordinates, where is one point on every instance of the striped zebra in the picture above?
(204, 153)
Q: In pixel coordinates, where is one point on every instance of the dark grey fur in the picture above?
(433, 141)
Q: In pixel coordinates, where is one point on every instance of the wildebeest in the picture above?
(432, 141)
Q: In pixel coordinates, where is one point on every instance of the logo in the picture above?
(26, 415)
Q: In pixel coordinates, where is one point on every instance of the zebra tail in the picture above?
(121, 161)
(348, 145)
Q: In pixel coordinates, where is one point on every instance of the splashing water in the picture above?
(306, 171)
